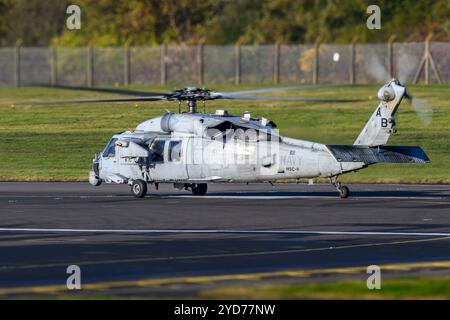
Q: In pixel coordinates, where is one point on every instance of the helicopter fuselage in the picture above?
(191, 153)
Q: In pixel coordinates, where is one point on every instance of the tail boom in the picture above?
(380, 154)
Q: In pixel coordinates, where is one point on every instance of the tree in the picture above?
(138, 22)
(35, 22)
(149, 22)
(4, 7)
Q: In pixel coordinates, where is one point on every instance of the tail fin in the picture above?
(382, 123)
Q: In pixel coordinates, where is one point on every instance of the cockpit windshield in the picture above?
(110, 150)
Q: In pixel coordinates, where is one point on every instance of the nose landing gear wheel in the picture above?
(139, 188)
(199, 189)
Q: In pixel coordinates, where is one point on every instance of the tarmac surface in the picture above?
(234, 229)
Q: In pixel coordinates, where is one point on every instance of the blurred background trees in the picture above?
(147, 22)
(35, 22)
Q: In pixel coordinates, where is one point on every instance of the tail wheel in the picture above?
(139, 188)
(344, 192)
(199, 189)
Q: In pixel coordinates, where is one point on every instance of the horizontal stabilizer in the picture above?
(370, 155)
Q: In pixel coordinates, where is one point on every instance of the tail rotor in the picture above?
(422, 109)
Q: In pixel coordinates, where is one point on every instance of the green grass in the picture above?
(57, 142)
(402, 288)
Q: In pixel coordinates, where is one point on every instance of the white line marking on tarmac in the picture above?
(224, 231)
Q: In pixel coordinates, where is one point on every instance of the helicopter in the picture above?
(191, 149)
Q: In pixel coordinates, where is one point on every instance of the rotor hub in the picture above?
(191, 95)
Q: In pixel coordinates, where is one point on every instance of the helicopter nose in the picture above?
(95, 165)
(94, 179)
(94, 174)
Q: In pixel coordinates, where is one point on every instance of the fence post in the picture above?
(276, 64)
(237, 68)
(163, 64)
(126, 65)
(352, 61)
(200, 63)
(427, 58)
(433, 65)
(17, 63)
(426, 61)
(391, 55)
(54, 67)
(90, 67)
(316, 62)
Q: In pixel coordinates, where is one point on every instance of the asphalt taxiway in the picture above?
(234, 229)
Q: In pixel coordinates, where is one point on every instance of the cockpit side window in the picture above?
(110, 150)
(157, 151)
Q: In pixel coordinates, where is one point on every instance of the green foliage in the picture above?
(137, 22)
(147, 22)
(4, 7)
(34, 22)
(288, 21)
(398, 288)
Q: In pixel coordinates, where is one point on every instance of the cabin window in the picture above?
(174, 150)
(157, 151)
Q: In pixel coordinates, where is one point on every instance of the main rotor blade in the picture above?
(109, 90)
(137, 99)
(276, 89)
(289, 99)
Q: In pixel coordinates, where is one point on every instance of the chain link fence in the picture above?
(418, 62)
(7, 67)
(296, 63)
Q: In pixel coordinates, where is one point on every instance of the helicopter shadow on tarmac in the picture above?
(273, 195)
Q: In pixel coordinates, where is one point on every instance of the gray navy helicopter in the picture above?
(191, 149)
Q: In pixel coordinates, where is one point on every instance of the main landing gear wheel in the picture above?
(344, 191)
(199, 189)
(139, 188)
